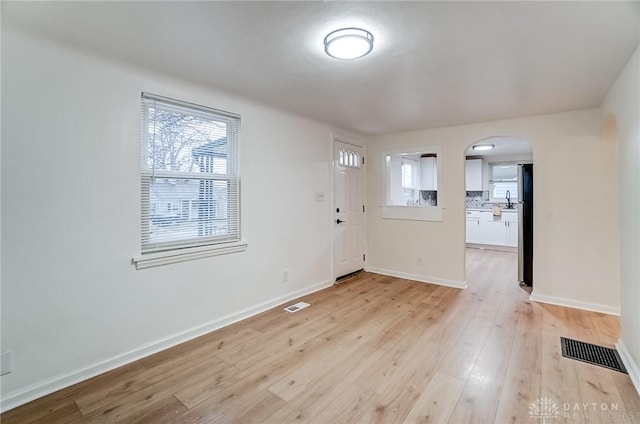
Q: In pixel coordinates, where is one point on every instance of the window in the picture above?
(504, 177)
(408, 169)
(349, 158)
(190, 181)
(500, 190)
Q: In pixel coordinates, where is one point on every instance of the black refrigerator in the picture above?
(525, 227)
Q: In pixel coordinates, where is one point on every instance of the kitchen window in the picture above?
(500, 190)
(504, 178)
(190, 182)
(409, 169)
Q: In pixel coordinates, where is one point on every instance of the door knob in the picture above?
(338, 221)
(338, 210)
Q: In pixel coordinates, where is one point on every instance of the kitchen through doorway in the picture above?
(499, 205)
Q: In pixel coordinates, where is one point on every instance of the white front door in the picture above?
(348, 220)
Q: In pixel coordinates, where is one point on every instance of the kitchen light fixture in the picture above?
(348, 43)
(483, 147)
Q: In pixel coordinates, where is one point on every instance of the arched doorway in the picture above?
(498, 201)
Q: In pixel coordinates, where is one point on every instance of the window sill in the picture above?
(413, 213)
(188, 254)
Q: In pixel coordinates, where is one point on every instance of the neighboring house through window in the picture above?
(190, 180)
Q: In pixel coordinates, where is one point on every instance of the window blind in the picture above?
(500, 190)
(190, 179)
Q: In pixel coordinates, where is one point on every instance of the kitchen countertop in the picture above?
(491, 210)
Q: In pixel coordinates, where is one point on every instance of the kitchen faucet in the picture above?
(509, 204)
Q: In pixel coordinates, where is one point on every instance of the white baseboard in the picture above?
(570, 303)
(420, 278)
(629, 364)
(51, 385)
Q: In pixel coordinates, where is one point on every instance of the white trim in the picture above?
(53, 384)
(420, 278)
(629, 364)
(149, 260)
(570, 303)
(343, 138)
(412, 213)
(189, 105)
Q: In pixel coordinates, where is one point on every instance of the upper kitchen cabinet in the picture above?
(428, 172)
(473, 171)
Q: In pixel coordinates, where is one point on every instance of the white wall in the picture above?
(623, 102)
(576, 205)
(71, 210)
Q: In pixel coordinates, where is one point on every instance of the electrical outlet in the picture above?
(285, 275)
(6, 359)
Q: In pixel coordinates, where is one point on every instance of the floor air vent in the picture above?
(296, 307)
(349, 275)
(592, 354)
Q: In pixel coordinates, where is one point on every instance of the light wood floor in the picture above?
(374, 349)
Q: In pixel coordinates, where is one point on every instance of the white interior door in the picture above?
(348, 221)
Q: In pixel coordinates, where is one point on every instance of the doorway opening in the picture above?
(499, 208)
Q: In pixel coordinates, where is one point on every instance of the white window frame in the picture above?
(189, 248)
(502, 185)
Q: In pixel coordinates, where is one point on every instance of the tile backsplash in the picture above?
(429, 197)
(475, 199)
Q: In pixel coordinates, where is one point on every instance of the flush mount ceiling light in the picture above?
(348, 43)
(484, 147)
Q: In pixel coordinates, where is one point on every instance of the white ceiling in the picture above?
(504, 145)
(433, 63)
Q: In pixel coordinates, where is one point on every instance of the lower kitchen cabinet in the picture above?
(473, 230)
(493, 232)
(473, 227)
(484, 228)
(512, 233)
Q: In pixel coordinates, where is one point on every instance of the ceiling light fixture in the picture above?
(484, 147)
(348, 43)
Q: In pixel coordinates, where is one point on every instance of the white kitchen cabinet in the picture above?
(512, 234)
(494, 232)
(429, 173)
(473, 227)
(511, 220)
(473, 174)
(502, 231)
